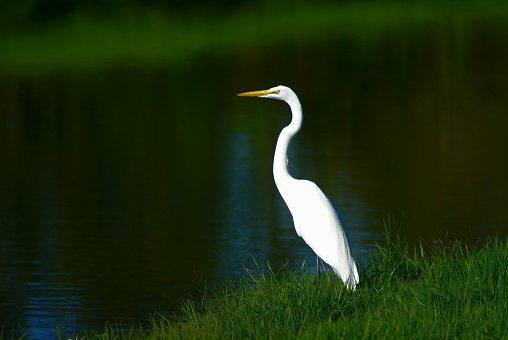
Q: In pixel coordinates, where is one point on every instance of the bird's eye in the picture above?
(276, 91)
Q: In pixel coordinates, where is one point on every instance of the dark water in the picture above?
(121, 190)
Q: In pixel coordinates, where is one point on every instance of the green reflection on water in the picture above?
(149, 37)
(128, 177)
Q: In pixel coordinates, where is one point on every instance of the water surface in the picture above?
(122, 190)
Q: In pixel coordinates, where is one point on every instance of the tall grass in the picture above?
(444, 290)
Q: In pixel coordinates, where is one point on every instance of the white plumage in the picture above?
(315, 218)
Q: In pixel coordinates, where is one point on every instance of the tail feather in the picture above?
(350, 279)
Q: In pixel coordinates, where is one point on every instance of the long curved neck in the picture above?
(280, 159)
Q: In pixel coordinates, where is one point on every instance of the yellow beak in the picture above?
(255, 93)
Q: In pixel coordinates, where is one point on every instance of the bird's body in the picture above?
(314, 216)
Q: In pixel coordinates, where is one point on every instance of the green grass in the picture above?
(91, 41)
(447, 290)
(450, 290)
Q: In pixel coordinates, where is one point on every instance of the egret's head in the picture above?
(278, 92)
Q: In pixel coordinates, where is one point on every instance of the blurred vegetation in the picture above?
(44, 35)
(17, 13)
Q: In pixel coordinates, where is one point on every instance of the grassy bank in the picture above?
(439, 291)
(449, 290)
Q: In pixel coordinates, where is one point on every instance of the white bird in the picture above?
(315, 218)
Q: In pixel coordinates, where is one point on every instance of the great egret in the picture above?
(314, 216)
